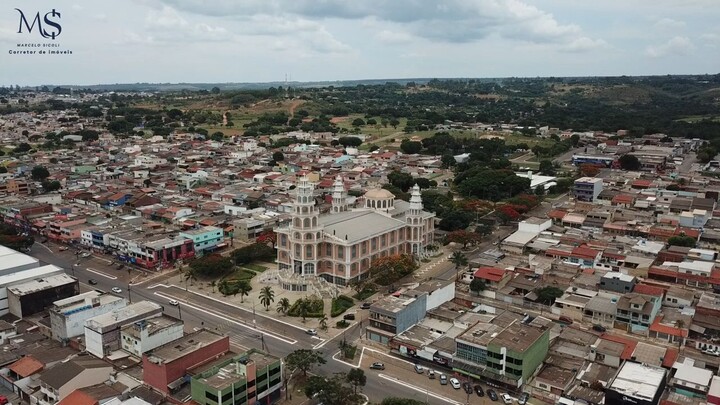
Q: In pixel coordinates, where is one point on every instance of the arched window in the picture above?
(308, 252)
(306, 222)
(298, 251)
(296, 222)
(308, 236)
(314, 221)
(297, 235)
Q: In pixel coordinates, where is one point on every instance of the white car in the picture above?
(116, 290)
(86, 254)
(174, 303)
(311, 332)
(507, 398)
(455, 383)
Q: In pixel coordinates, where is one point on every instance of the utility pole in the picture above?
(129, 294)
(179, 311)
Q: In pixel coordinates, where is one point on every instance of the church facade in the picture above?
(340, 246)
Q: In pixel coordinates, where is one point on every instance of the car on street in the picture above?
(349, 317)
(524, 397)
(507, 398)
(599, 328)
(419, 369)
(431, 374)
(92, 281)
(174, 303)
(455, 383)
(365, 305)
(467, 387)
(479, 390)
(86, 254)
(116, 290)
(565, 319)
(492, 395)
(377, 366)
(311, 332)
(443, 379)
(63, 248)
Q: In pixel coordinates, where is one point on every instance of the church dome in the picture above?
(379, 194)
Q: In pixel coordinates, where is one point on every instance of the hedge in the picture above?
(317, 308)
(341, 304)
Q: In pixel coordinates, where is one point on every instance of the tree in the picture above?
(243, 288)
(401, 180)
(401, 401)
(373, 148)
(217, 136)
(394, 123)
(547, 168)
(303, 308)
(10, 237)
(22, 148)
(215, 90)
(283, 305)
(49, 186)
(3, 169)
(410, 147)
(350, 141)
(212, 265)
(548, 295)
(629, 162)
(358, 122)
(540, 190)
(682, 240)
(356, 377)
(39, 173)
(455, 220)
(477, 285)
(278, 156)
(304, 360)
(463, 237)
(267, 297)
(332, 391)
(459, 260)
(389, 269)
(323, 323)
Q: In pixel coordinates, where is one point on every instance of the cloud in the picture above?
(584, 44)
(669, 24)
(675, 46)
(393, 37)
(712, 40)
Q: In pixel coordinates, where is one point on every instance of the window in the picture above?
(308, 252)
(340, 253)
(353, 251)
(373, 243)
(383, 240)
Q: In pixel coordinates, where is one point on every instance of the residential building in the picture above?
(395, 314)
(617, 282)
(68, 316)
(587, 189)
(637, 311)
(165, 367)
(205, 239)
(15, 186)
(63, 378)
(102, 332)
(340, 246)
(690, 380)
(636, 384)
(246, 378)
(147, 334)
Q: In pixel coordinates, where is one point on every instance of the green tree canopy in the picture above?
(629, 162)
(39, 173)
(350, 141)
(410, 147)
(682, 240)
(304, 360)
(212, 265)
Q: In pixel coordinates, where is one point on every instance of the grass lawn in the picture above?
(341, 304)
(240, 274)
(364, 294)
(255, 267)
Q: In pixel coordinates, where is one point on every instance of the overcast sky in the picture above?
(127, 41)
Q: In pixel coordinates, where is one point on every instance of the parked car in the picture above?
(565, 319)
(599, 328)
(443, 379)
(85, 254)
(419, 369)
(431, 374)
(377, 366)
(455, 383)
(467, 387)
(311, 332)
(116, 290)
(63, 248)
(507, 398)
(365, 305)
(349, 317)
(492, 395)
(92, 281)
(3, 400)
(524, 397)
(174, 303)
(479, 390)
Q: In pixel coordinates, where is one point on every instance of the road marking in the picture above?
(155, 286)
(418, 389)
(258, 313)
(224, 318)
(387, 355)
(345, 362)
(100, 273)
(321, 344)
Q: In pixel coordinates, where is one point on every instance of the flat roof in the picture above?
(12, 259)
(153, 325)
(20, 276)
(392, 303)
(40, 284)
(518, 336)
(83, 301)
(354, 226)
(178, 348)
(638, 380)
(122, 315)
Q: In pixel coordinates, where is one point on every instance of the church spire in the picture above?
(339, 196)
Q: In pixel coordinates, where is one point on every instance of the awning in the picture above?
(697, 328)
(177, 383)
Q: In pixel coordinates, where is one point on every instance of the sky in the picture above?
(218, 41)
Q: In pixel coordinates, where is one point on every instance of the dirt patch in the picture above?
(337, 120)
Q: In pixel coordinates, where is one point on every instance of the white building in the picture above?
(8, 280)
(145, 335)
(102, 333)
(68, 316)
(149, 160)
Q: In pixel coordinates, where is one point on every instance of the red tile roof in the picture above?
(585, 252)
(659, 327)
(648, 290)
(629, 344)
(671, 355)
(490, 273)
(623, 199)
(78, 397)
(556, 214)
(26, 366)
(640, 183)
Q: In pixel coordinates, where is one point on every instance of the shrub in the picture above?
(366, 293)
(316, 308)
(341, 304)
(342, 324)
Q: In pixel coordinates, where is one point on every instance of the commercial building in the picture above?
(205, 239)
(636, 384)
(12, 279)
(395, 314)
(147, 334)
(12, 261)
(252, 377)
(340, 246)
(587, 189)
(68, 316)
(165, 367)
(102, 333)
(518, 350)
(33, 296)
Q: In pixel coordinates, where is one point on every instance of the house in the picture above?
(636, 384)
(59, 381)
(637, 311)
(617, 282)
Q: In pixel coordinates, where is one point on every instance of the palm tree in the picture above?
(213, 284)
(303, 308)
(267, 297)
(323, 323)
(459, 260)
(191, 276)
(283, 305)
(243, 288)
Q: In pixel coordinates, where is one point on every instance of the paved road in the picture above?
(197, 311)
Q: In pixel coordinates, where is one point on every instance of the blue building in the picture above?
(206, 239)
(395, 314)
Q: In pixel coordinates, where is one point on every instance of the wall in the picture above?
(73, 325)
(86, 378)
(440, 296)
(147, 343)
(411, 314)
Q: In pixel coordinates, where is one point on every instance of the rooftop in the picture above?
(354, 226)
(176, 349)
(41, 284)
(638, 381)
(123, 315)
